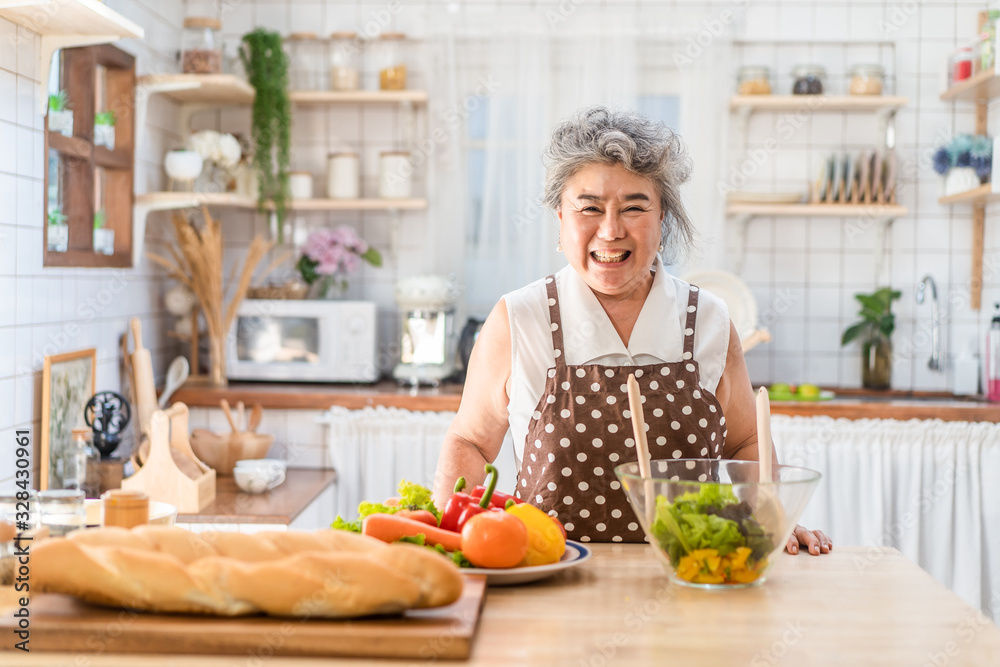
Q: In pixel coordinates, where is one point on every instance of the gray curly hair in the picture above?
(641, 145)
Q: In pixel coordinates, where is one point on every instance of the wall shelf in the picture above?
(979, 88)
(211, 89)
(982, 195)
(879, 216)
(64, 24)
(817, 103)
(323, 97)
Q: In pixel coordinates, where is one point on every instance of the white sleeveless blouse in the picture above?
(590, 338)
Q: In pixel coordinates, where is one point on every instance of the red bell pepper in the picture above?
(499, 499)
(461, 506)
(455, 506)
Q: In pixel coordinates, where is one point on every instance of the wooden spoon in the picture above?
(229, 415)
(255, 416)
(641, 445)
(241, 416)
(769, 511)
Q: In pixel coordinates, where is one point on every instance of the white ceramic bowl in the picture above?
(258, 475)
(183, 165)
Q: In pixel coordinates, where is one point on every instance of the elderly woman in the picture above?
(552, 359)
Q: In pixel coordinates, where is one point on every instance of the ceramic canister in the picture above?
(394, 172)
(343, 176)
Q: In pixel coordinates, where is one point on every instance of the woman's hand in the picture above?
(815, 541)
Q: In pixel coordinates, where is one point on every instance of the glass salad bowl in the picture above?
(712, 523)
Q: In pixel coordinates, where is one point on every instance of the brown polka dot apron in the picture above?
(581, 429)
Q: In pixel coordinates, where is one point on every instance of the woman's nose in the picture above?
(612, 227)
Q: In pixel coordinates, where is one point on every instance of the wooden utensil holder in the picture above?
(173, 473)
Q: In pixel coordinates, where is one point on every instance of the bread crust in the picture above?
(326, 574)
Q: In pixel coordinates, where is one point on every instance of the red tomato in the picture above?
(495, 539)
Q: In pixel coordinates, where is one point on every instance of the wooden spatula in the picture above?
(641, 445)
(769, 511)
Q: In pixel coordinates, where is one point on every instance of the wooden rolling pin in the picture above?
(142, 372)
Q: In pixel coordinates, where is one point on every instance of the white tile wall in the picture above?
(838, 254)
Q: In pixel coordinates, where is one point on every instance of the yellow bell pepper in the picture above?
(546, 543)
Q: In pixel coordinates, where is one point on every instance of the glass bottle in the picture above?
(344, 61)
(866, 80)
(201, 46)
(808, 80)
(753, 80)
(993, 357)
(88, 462)
(390, 61)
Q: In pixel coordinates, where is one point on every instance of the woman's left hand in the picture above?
(815, 541)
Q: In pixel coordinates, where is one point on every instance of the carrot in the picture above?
(423, 516)
(392, 527)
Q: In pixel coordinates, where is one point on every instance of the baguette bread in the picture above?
(326, 574)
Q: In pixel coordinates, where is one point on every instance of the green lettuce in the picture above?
(712, 518)
(411, 497)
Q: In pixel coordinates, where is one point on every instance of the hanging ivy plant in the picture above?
(267, 70)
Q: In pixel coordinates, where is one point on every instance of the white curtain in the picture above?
(373, 449)
(928, 488)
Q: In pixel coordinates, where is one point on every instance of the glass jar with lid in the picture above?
(62, 510)
(866, 79)
(306, 59)
(345, 60)
(389, 58)
(201, 45)
(753, 80)
(808, 80)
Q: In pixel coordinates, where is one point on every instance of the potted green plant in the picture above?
(57, 232)
(875, 331)
(104, 129)
(266, 66)
(104, 239)
(60, 115)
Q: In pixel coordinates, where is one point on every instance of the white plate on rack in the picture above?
(575, 554)
(738, 297)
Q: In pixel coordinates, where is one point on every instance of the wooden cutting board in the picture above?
(63, 623)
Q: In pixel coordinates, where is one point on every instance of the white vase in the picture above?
(61, 122)
(960, 179)
(104, 241)
(104, 135)
(58, 238)
(184, 166)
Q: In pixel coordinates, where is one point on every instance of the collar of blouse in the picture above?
(588, 333)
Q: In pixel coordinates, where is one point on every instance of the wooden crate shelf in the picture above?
(816, 103)
(978, 88)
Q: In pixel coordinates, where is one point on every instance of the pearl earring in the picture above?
(661, 248)
(559, 247)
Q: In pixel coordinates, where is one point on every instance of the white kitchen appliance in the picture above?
(303, 341)
(427, 340)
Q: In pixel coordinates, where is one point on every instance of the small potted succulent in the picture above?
(966, 163)
(104, 129)
(60, 115)
(875, 330)
(104, 239)
(57, 231)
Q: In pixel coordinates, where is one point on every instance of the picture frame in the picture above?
(68, 382)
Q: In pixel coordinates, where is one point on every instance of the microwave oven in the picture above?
(303, 340)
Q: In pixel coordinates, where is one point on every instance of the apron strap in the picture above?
(555, 321)
(692, 315)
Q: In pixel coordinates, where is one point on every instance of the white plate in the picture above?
(746, 197)
(738, 297)
(575, 554)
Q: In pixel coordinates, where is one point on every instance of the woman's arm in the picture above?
(735, 394)
(476, 434)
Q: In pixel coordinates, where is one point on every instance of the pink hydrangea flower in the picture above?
(335, 250)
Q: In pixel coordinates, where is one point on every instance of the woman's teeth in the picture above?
(610, 257)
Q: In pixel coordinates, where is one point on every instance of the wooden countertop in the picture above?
(279, 505)
(849, 403)
(856, 606)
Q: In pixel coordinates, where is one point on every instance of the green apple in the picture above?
(779, 388)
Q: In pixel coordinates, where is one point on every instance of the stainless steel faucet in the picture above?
(935, 362)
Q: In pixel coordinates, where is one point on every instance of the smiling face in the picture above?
(609, 225)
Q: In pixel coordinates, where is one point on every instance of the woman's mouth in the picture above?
(610, 257)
